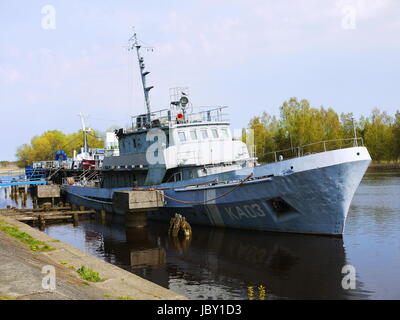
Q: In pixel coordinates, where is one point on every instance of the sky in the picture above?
(60, 58)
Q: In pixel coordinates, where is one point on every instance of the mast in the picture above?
(85, 145)
(143, 74)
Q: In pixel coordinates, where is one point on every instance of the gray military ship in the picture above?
(213, 179)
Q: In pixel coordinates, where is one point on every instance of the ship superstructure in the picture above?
(174, 148)
(173, 144)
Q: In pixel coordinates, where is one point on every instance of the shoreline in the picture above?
(21, 272)
(373, 165)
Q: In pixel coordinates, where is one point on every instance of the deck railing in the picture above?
(168, 116)
(88, 177)
(316, 147)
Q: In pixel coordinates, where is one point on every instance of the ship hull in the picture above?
(313, 199)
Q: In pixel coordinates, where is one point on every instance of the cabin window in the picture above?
(178, 176)
(225, 133)
(193, 135)
(204, 134)
(134, 143)
(138, 142)
(214, 133)
(182, 136)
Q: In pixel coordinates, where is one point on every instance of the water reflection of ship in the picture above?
(128, 247)
(292, 266)
(142, 251)
(289, 266)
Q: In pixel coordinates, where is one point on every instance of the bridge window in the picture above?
(182, 136)
(204, 134)
(193, 135)
(225, 133)
(215, 133)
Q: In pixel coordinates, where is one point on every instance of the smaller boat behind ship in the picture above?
(213, 179)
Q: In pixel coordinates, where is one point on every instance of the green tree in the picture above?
(24, 155)
(378, 135)
(396, 136)
(302, 125)
(306, 125)
(43, 147)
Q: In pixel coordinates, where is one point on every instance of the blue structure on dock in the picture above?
(61, 155)
(22, 177)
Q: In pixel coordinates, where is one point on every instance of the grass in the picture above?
(6, 298)
(88, 274)
(34, 244)
(124, 298)
(118, 298)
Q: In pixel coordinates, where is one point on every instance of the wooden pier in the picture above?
(22, 177)
(46, 214)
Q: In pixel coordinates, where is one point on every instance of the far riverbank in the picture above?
(384, 166)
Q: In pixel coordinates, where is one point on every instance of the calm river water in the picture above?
(223, 264)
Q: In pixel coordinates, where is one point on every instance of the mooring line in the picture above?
(203, 201)
(172, 198)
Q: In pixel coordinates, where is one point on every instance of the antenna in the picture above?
(143, 73)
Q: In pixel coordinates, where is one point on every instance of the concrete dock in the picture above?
(21, 274)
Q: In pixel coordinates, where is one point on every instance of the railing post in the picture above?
(275, 157)
(324, 146)
(355, 133)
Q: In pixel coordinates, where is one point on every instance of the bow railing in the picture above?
(311, 148)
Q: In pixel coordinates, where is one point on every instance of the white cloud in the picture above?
(10, 75)
(235, 31)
